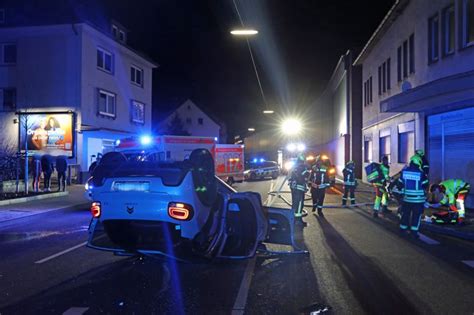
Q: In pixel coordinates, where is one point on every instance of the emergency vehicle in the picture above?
(228, 158)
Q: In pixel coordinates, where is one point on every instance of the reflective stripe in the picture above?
(403, 227)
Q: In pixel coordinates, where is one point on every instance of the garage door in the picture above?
(451, 147)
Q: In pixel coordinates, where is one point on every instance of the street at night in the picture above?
(236, 157)
(356, 265)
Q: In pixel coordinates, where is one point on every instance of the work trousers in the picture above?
(411, 216)
(297, 202)
(62, 181)
(348, 195)
(381, 197)
(317, 195)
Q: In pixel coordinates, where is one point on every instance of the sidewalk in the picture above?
(72, 199)
(365, 194)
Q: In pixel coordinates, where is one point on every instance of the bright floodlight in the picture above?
(291, 147)
(300, 147)
(268, 111)
(145, 140)
(291, 127)
(244, 32)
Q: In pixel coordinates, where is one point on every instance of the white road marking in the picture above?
(427, 240)
(470, 263)
(60, 253)
(76, 311)
(267, 202)
(241, 300)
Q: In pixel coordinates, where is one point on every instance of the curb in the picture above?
(38, 197)
(33, 213)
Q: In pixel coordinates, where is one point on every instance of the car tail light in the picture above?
(96, 209)
(180, 211)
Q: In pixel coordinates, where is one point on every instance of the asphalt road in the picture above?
(357, 265)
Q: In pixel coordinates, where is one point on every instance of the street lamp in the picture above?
(268, 112)
(291, 127)
(251, 129)
(244, 32)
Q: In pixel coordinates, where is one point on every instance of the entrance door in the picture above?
(451, 147)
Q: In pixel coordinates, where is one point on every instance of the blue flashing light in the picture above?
(262, 160)
(117, 142)
(255, 160)
(145, 140)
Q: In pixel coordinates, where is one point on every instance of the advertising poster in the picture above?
(47, 133)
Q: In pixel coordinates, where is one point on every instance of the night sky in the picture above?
(296, 50)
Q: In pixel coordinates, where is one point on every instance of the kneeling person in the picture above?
(453, 193)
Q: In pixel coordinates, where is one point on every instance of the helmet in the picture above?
(384, 159)
(416, 160)
(420, 152)
(350, 163)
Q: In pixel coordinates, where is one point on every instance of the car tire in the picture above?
(230, 181)
(253, 176)
(274, 175)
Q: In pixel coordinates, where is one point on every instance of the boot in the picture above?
(320, 212)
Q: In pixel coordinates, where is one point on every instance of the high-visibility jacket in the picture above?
(298, 177)
(349, 176)
(453, 187)
(319, 177)
(413, 183)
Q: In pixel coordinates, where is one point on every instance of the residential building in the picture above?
(194, 122)
(420, 60)
(77, 68)
(337, 116)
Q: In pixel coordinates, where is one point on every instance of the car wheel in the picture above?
(230, 181)
(274, 175)
(253, 176)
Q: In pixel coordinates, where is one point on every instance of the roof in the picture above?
(59, 12)
(204, 110)
(387, 21)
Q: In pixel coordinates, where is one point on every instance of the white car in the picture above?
(172, 208)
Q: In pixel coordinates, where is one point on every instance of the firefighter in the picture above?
(319, 181)
(425, 166)
(380, 185)
(453, 193)
(297, 181)
(412, 183)
(350, 183)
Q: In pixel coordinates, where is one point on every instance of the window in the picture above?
(368, 92)
(188, 121)
(200, 121)
(467, 24)
(2, 16)
(406, 141)
(122, 36)
(368, 150)
(448, 30)
(8, 52)
(136, 75)
(384, 77)
(433, 39)
(411, 45)
(106, 103)
(380, 80)
(138, 112)
(399, 64)
(108, 146)
(104, 60)
(388, 75)
(384, 144)
(114, 31)
(8, 99)
(406, 58)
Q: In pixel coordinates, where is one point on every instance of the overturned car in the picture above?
(178, 209)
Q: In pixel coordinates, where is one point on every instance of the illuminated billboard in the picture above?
(47, 133)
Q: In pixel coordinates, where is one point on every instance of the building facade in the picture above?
(418, 87)
(338, 116)
(75, 69)
(195, 122)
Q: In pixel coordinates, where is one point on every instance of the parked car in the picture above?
(262, 170)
